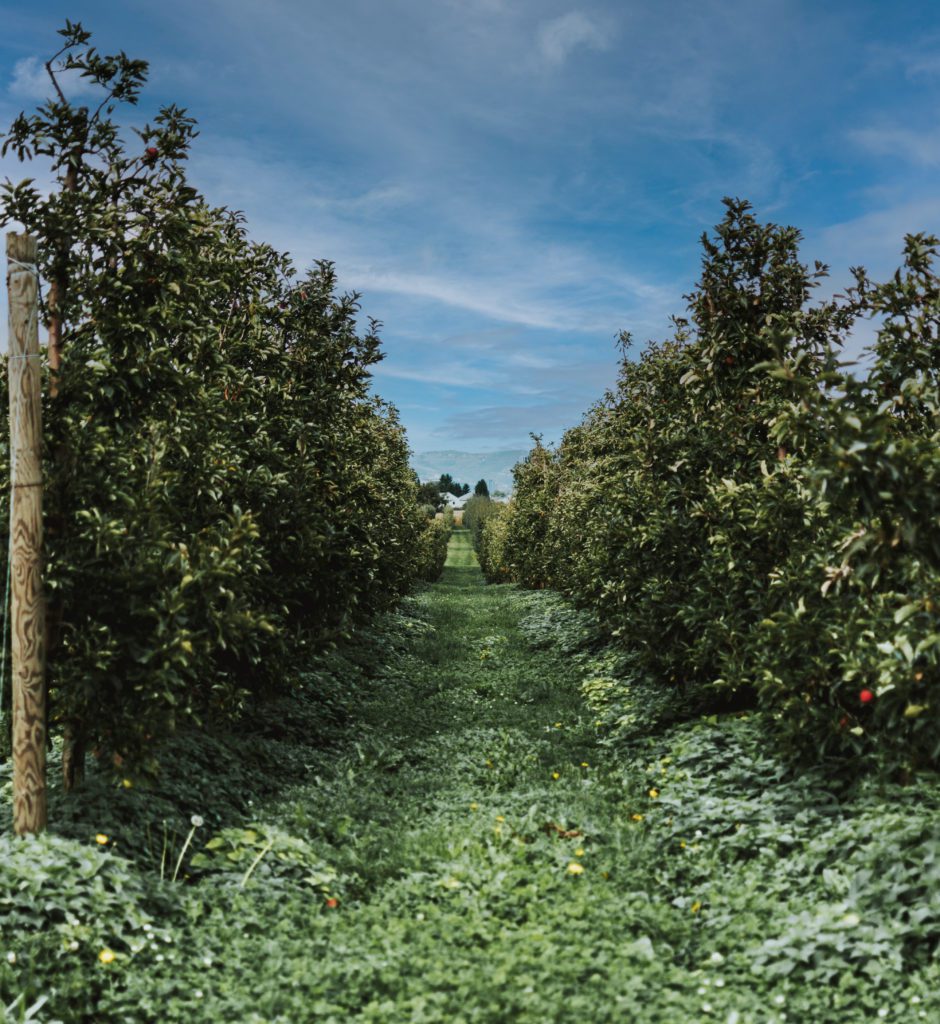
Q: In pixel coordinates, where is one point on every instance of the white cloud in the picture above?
(927, 65)
(466, 291)
(508, 372)
(31, 81)
(428, 244)
(447, 374)
(876, 239)
(918, 58)
(918, 147)
(560, 36)
(511, 424)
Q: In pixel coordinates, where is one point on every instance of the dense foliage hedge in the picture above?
(475, 513)
(224, 495)
(750, 515)
(487, 520)
(433, 547)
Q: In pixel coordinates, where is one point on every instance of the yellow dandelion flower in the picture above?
(474, 807)
(127, 784)
(101, 839)
(558, 725)
(499, 817)
(654, 794)
(106, 956)
(556, 775)
(682, 844)
(579, 852)
(637, 817)
(584, 764)
(696, 906)
(575, 869)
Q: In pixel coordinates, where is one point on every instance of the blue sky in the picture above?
(509, 184)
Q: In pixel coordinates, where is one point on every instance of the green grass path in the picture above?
(488, 860)
(459, 743)
(460, 898)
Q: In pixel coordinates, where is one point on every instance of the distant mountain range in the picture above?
(469, 467)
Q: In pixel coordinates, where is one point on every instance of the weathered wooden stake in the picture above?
(27, 605)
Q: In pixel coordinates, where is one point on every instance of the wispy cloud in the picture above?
(876, 238)
(499, 300)
(446, 374)
(918, 58)
(926, 65)
(513, 423)
(435, 245)
(560, 36)
(918, 146)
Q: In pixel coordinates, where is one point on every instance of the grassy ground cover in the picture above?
(475, 849)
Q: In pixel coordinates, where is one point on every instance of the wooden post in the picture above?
(27, 605)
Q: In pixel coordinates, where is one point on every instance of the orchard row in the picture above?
(225, 497)
(755, 519)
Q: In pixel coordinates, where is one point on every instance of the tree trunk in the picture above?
(73, 756)
(57, 287)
